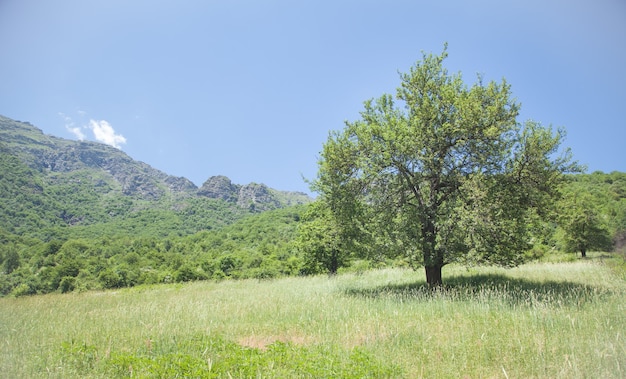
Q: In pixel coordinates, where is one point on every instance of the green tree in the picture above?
(109, 278)
(447, 172)
(319, 240)
(67, 284)
(11, 259)
(583, 226)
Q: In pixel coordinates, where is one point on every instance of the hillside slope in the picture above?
(52, 187)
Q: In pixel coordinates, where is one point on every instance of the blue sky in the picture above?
(251, 89)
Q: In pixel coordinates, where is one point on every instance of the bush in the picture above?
(186, 273)
(23, 289)
(110, 279)
(218, 275)
(537, 252)
(266, 272)
(148, 276)
(68, 284)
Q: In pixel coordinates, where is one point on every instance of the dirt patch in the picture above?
(263, 341)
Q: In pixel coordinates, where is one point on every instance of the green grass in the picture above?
(556, 320)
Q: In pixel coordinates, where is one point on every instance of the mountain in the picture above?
(253, 195)
(49, 184)
(49, 154)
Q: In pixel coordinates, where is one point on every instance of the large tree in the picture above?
(447, 172)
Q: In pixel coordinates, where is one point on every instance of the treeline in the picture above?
(255, 247)
(148, 247)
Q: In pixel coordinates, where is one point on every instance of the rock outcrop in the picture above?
(254, 196)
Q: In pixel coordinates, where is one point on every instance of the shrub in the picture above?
(23, 289)
(110, 279)
(68, 284)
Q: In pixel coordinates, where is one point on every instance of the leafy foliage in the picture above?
(448, 173)
(593, 212)
(257, 246)
(320, 242)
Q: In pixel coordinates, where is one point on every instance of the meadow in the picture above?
(539, 320)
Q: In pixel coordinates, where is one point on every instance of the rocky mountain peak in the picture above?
(49, 154)
(219, 187)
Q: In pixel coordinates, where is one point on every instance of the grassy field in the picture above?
(542, 320)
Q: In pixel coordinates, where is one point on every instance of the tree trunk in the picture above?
(334, 263)
(433, 259)
(584, 253)
(433, 276)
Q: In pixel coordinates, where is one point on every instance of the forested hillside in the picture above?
(81, 215)
(66, 200)
(57, 188)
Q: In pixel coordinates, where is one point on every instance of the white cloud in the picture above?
(70, 126)
(103, 132)
(75, 130)
(101, 129)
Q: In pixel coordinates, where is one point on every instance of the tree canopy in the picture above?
(444, 170)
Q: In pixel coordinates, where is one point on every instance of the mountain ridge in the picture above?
(52, 187)
(45, 152)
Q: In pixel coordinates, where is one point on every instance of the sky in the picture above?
(251, 89)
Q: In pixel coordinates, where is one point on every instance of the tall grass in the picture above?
(560, 320)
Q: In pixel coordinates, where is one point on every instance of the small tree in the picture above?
(320, 242)
(584, 228)
(448, 173)
(11, 259)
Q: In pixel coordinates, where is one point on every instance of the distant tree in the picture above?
(229, 263)
(11, 259)
(109, 278)
(67, 284)
(52, 247)
(186, 273)
(68, 267)
(319, 241)
(584, 228)
(447, 172)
